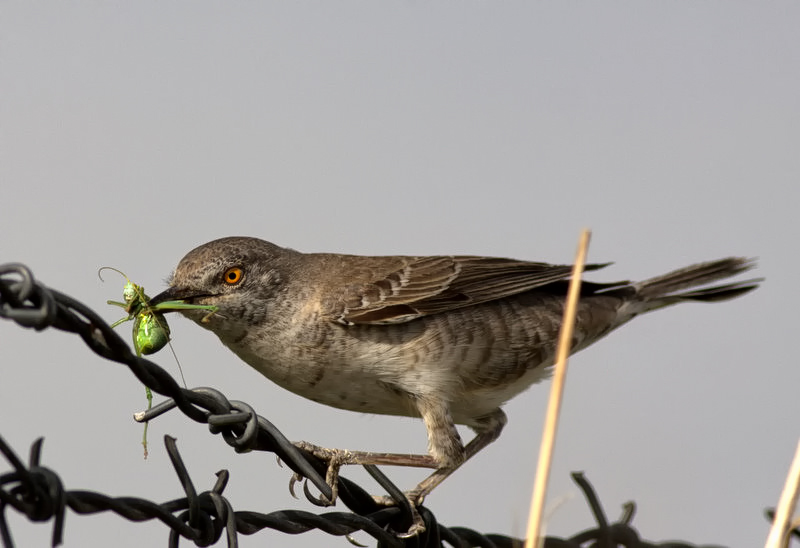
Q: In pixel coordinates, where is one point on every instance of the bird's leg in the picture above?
(444, 442)
(444, 447)
(447, 454)
(336, 458)
(487, 430)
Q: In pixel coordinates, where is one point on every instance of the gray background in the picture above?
(132, 132)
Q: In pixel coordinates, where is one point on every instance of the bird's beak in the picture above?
(176, 294)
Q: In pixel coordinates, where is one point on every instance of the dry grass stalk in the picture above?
(779, 533)
(556, 392)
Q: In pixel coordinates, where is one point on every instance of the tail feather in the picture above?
(693, 276)
(663, 290)
(720, 292)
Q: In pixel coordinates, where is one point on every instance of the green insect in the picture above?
(150, 327)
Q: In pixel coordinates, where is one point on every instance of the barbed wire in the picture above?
(38, 493)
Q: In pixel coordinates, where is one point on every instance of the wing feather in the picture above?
(432, 285)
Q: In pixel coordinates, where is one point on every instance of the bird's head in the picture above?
(240, 276)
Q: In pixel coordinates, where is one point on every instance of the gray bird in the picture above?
(449, 339)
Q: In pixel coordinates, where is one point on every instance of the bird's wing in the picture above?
(430, 285)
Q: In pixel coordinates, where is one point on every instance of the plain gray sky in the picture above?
(130, 132)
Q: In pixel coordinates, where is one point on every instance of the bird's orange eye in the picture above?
(233, 275)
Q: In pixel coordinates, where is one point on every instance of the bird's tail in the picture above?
(668, 289)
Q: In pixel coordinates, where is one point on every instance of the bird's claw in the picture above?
(294, 479)
(354, 542)
(417, 525)
(321, 500)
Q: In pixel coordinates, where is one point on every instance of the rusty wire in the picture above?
(38, 493)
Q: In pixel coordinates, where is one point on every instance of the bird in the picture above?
(448, 339)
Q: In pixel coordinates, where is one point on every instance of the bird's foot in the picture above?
(415, 500)
(335, 458)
